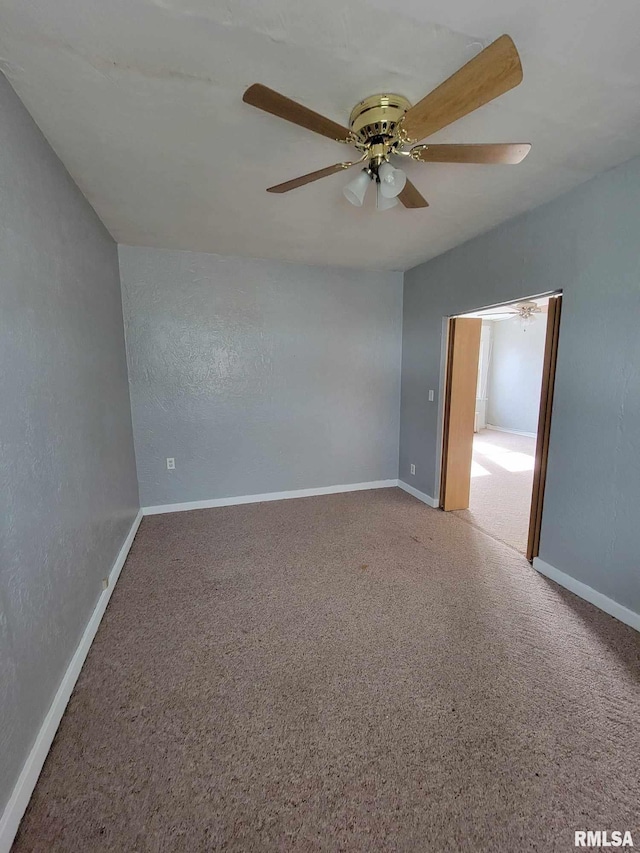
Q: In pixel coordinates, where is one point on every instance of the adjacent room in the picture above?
(319, 516)
(510, 366)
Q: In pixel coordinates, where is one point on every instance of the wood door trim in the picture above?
(446, 410)
(462, 378)
(544, 425)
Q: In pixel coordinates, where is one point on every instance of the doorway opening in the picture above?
(497, 412)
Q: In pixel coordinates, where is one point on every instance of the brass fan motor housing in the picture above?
(375, 120)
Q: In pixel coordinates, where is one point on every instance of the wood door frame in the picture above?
(444, 444)
(463, 340)
(440, 396)
(544, 417)
(544, 425)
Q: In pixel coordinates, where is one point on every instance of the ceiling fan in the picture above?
(526, 312)
(386, 126)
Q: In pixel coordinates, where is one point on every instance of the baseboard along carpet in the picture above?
(348, 672)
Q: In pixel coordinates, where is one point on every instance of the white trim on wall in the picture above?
(589, 594)
(421, 496)
(268, 496)
(23, 789)
(512, 431)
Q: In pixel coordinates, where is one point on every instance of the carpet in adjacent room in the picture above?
(501, 486)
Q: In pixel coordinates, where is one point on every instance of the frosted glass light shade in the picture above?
(392, 180)
(383, 203)
(355, 189)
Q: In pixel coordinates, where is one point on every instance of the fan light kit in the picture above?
(526, 312)
(384, 128)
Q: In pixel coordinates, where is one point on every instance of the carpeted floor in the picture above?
(501, 486)
(354, 672)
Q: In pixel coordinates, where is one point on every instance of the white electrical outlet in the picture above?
(171, 463)
(413, 469)
(431, 396)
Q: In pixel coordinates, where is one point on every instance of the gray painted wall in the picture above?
(515, 374)
(258, 376)
(69, 493)
(585, 242)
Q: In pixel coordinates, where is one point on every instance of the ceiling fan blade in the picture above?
(489, 74)
(499, 152)
(410, 197)
(307, 179)
(278, 105)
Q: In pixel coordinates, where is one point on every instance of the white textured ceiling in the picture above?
(142, 100)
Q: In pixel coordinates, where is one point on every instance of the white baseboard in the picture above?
(589, 594)
(426, 499)
(268, 496)
(512, 431)
(23, 789)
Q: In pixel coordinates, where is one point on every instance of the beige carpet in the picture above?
(353, 672)
(501, 485)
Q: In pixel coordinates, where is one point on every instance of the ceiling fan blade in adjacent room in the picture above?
(307, 179)
(278, 105)
(499, 152)
(410, 197)
(489, 74)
